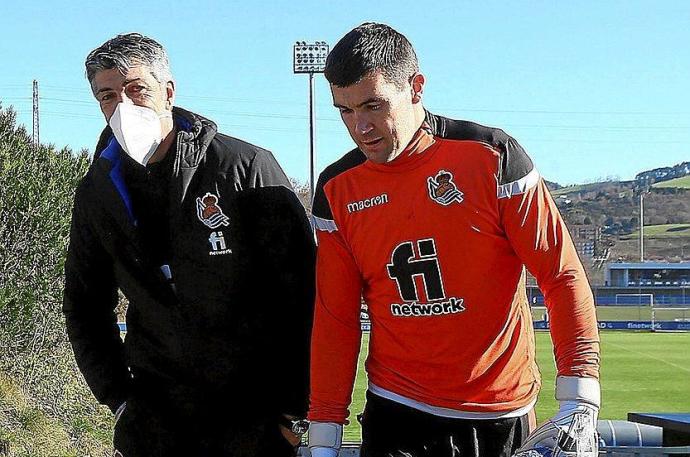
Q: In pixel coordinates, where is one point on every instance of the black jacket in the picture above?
(234, 326)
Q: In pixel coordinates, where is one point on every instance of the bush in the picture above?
(45, 402)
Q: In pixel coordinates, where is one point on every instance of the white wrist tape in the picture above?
(325, 434)
(323, 452)
(573, 388)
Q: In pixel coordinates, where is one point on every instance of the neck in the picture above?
(421, 138)
(420, 141)
(419, 117)
(169, 131)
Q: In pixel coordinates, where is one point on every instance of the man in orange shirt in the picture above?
(432, 221)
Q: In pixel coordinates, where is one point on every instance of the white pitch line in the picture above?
(651, 357)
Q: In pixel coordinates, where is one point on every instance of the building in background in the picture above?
(654, 275)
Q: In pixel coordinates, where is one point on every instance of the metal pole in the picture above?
(35, 137)
(312, 120)
(310, 58)
(642, 227)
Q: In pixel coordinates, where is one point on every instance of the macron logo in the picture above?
(367, 203)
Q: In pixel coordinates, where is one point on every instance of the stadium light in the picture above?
(310, 58)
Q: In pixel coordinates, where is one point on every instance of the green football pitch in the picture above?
(630, 313)
(639, 372)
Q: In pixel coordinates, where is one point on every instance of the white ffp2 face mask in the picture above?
(137, 130)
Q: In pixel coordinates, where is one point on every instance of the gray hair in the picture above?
(126, 51)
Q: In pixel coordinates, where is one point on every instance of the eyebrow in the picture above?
(103, 89)
(365, 102)
(127, 81)
(124, 83)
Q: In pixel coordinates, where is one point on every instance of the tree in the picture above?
(36, 190)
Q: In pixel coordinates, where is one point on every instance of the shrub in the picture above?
(36, 191)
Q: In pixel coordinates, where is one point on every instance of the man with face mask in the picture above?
(204, 237)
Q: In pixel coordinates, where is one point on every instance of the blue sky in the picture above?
(592, 89)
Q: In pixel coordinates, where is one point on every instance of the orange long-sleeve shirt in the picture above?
(435, 242)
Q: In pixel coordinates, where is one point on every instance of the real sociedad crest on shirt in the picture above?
(442, 189)
(209, 212)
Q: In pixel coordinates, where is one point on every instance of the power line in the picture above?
(581, 141)
(57, 101)
(589, 113)
(68, 100)
(598, 127)
(331, 119)
(446, 109)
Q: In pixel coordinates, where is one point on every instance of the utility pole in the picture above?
(642, 227)
(643, 192)
(35, 138)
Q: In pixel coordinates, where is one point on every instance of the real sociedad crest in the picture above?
(209, 212)
(442, 189)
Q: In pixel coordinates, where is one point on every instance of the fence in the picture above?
(611, 451)
(627, 315)
(617, 299)
(633, 451)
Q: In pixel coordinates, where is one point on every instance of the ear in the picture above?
(417, 87)
(170, 94)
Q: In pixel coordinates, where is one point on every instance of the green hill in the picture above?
(681, 183)
(581, 188)
(614, 208)
(663, 231)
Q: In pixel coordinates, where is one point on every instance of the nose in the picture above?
(124, 98)
(121, 97)
(362, 125)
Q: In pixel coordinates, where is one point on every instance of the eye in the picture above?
(374, 107)
(344, 110)
(104, 98)
(137, 90)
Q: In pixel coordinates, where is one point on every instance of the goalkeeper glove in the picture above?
(572, 432)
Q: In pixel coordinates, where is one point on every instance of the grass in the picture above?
(25, 430)
(630, 313)
(570, 189)
(683, 183)
(574, 189)
(640, 371)
(662, 231)
(29, 430)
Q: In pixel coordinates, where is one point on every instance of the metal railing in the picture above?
(609, 451)
(644, 451)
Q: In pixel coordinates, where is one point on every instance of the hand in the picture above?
(572, 432)
(291, 438)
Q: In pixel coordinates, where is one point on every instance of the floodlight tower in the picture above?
(310, 58)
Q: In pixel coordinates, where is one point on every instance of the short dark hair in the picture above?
(368, 48)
